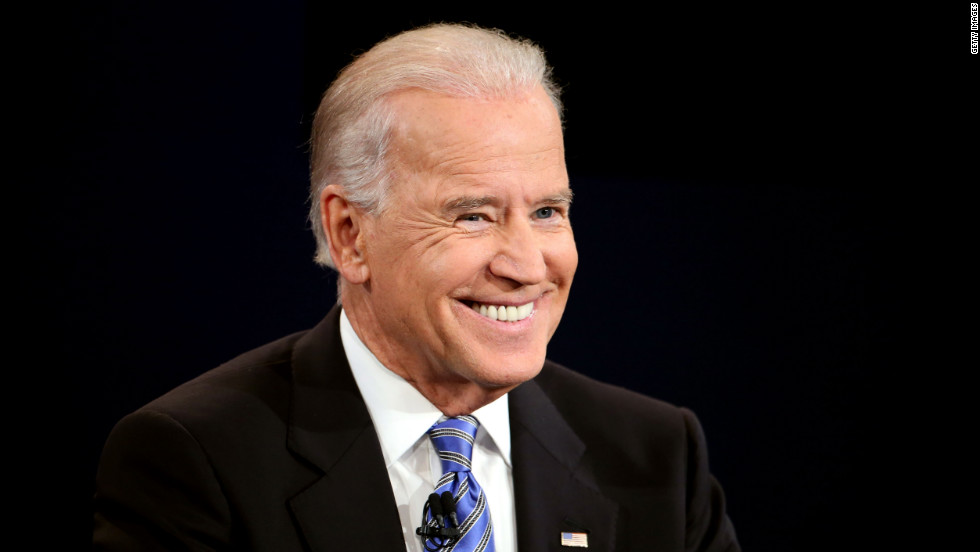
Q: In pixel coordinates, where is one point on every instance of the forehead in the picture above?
(439, 134)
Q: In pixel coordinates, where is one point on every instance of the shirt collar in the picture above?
(401, 414)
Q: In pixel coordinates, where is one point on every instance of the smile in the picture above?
(504, 313)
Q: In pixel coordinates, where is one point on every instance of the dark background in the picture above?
(741, 182)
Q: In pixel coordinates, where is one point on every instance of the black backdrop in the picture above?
(732, 213)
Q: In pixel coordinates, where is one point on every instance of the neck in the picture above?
(457, 400)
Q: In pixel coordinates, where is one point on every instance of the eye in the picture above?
(545, 213)
(473, 222)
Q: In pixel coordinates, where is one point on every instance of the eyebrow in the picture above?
(564, 198)
(465, 203)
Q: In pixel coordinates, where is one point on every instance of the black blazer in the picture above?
(275, 450)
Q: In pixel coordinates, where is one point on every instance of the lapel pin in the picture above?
(579, 540)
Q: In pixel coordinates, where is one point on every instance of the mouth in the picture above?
(503, 313)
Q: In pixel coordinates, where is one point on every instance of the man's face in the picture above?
(477, 220)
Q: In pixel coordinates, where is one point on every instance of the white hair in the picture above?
(353, 125)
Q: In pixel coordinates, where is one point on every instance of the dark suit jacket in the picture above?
(275, 450)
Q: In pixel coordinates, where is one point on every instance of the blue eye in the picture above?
(473, 217)
(545, 212)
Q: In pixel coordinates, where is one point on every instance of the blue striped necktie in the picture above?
(453, 439)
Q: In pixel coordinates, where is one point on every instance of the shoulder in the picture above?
(245, 405)
(251, 380)
(572, 393)
(183, 466)
(238, 408)
(647, 455)
(633, 429)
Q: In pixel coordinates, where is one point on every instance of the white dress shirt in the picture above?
(402, 416)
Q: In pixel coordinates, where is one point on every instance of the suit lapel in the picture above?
(330, 428)
(553, 491)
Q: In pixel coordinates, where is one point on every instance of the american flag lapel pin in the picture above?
(579, 540)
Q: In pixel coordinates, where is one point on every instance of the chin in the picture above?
(511, 374)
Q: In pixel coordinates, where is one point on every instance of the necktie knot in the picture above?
(453, 440)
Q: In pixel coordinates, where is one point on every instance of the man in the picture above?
(440, 195)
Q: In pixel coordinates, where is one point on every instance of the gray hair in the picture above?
(353, 125)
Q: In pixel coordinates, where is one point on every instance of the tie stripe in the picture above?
(446, 478)
(452, 432)
(473, 516)
(453, 440)
(485, 539)
(464, 487)
(447, 456)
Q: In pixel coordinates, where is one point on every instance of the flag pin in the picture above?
(580, 540)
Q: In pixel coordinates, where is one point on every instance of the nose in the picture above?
(520, 255)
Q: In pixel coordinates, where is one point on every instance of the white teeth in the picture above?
(503, 313)
(524, 310)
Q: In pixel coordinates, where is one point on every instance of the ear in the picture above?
(342, 222)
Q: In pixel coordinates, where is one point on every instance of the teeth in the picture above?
(504, 313)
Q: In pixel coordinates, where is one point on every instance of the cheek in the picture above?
(459, 263)
(562, 259)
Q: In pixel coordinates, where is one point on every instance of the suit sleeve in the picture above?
(156, 490)
(708, 527)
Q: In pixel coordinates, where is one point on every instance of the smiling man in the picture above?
(421, 414)
(460, 284)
